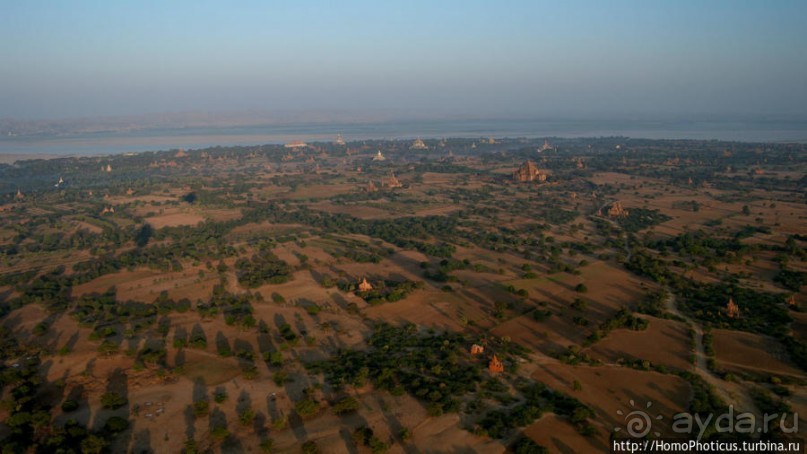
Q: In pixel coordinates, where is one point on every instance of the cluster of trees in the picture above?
(622, 319)
(653, 303)
(104, 310)
(645, 263)
(700, 244)
(403, 232)
(51, 289)
(642, 218)
(364, 436)
(432, 367)
(166, 305)
(163, 257)
(760, 312)
(236, 308)
(790, 279)
(264, 267)
(559, 216)
(538, 398)
(388, 291)
(691, 205)
(525, 445)
(29, 422)
(357, 251)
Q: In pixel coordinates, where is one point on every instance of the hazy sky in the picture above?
(91, 58)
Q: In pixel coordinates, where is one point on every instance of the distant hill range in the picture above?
(61, 127)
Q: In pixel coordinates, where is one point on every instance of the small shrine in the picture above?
(528, 172)
(732, 309)
(617, 211)
(495, 366)
(393, 182)
(365, 286)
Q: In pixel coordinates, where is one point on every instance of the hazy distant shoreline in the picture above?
(84, 144)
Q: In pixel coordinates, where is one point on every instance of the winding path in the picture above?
(730, 393)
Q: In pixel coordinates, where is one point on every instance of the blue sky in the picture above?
(481, 58)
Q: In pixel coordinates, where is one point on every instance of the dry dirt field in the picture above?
(752, 354)
(591, 304)
(174, 220)
(663, 343)
(608, 390)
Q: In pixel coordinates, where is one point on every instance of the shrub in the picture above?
(201, 408)
(219, 432)
(346, 405)
(246, 417)
(93, 445)
(525, 445)
(267, 445)
(113, 400)
(190, 447)
(310, 447)
(280, 377)
(116, 424)
(69, 405)
(306, 407)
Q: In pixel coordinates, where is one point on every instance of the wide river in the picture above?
(189, 138)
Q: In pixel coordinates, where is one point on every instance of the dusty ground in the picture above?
(159, 401)
(664, 342)
(753, 354)
(608, 390)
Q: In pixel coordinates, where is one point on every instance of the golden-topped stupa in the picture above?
(418, 145)
(296, 144)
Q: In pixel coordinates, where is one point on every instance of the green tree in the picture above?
(93, 445)
(116, 424)
(113, 400)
